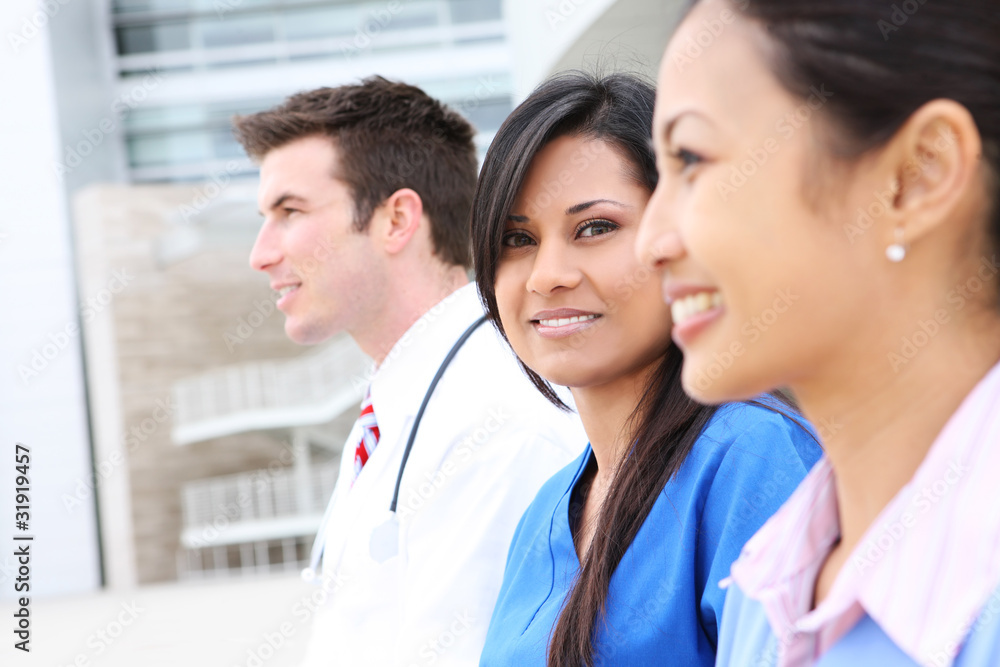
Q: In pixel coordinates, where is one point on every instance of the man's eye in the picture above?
(516, 240)
(596, 228)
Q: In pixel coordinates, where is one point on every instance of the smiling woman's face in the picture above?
(768, 286)
(577, 306)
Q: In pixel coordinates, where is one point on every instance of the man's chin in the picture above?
(303, 334)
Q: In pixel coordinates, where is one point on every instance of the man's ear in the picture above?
(936, 159)
(401, 215)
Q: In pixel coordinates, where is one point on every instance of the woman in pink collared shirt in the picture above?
(830, 178)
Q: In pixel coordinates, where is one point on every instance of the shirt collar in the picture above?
(925, 567)
(399, 383)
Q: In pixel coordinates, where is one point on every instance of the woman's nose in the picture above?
(658, 242)
(553, 268)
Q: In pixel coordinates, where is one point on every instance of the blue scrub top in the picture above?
(747, 639)
(664, 603)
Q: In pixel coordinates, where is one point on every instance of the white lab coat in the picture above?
(487, 442)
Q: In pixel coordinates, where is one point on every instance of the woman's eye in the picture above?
(516, 240)
(596, 228)
(687, 158)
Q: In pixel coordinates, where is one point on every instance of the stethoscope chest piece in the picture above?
(384, 543)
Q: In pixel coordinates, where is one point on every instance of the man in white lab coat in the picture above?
(365, 192)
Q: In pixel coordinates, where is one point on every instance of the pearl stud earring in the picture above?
(897, 251)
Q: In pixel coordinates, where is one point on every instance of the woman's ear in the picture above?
(937, 165)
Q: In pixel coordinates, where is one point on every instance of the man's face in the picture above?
(328, 275)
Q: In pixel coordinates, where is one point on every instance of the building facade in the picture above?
(135, 283)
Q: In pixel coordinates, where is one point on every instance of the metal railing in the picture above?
(311, 389)
(252, 522)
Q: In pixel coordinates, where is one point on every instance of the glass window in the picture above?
(416, 17)
(169, 149)
(237, 31)
(221, 7)
(149, 38)
(225, 146)
(469, 11)
(322, 23)
(138, 6)
(145, 119)
(487, 115)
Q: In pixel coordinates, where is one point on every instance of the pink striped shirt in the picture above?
(925, 567)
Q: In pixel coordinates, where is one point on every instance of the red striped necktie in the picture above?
(369, 435)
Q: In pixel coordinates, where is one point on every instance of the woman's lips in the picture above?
(568, 325)
(693, 313)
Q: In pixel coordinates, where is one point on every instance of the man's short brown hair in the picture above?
(389, 135)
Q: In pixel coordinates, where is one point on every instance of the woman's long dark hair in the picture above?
(617, 109)
(884, 59)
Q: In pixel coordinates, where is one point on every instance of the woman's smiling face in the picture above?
(576, 304)
(755, 250)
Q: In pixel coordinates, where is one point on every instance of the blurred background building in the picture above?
(175, 432)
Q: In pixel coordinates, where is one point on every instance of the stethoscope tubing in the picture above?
(316, 554)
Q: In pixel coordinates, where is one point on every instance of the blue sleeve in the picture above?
(745, 637)
(768, 456)
(982, 647)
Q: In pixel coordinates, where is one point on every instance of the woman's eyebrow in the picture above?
(517, 218)
(580, 208)
(671, 124)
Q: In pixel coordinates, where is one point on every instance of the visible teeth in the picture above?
(285, 290)
(563, 321)
(689, 306)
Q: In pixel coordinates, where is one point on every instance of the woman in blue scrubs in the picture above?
(618, 559)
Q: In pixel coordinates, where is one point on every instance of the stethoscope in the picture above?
(384, 542)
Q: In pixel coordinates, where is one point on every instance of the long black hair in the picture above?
(617, 109)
